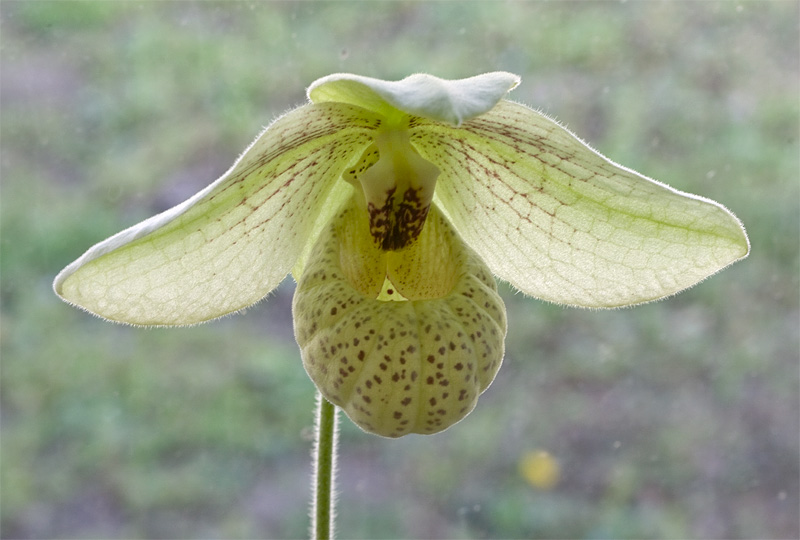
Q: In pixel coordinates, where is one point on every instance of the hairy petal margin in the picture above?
(233, 242)
(561, 222)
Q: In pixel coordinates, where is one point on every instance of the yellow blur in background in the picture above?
(540, 469)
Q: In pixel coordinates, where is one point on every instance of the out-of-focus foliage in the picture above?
(677, 419)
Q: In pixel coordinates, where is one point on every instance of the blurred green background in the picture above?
(677, 419)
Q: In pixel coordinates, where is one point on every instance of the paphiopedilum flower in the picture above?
(393, 204)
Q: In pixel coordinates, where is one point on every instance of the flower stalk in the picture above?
(326, 434)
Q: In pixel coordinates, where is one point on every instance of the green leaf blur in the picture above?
(677, 419)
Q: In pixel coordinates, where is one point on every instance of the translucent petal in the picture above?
(233, 242)
(399, 367)
(563, 223)
(428, 267)
(450, 101)
(362, 262)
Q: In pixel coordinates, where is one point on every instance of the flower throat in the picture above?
(398, 186)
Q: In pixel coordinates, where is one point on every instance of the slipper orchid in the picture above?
(393, 204)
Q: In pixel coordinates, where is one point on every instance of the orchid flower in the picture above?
(394, 205)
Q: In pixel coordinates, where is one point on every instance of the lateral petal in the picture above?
(229, 245)
(563, 223)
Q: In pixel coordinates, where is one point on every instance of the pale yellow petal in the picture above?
(563, 223)
(232, 243)
(362, 262)
(429, 267)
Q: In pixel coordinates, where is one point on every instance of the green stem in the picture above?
(326, 434)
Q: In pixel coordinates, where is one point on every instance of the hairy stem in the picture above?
(326, 434)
